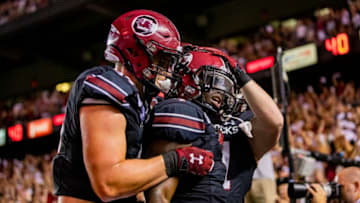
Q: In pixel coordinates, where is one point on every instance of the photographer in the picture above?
(349, 179)
(318, 193)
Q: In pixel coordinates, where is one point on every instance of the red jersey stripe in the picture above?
(106, 87)
(179, 121)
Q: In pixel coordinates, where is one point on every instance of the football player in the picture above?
(177, 122)
(101, 135)
(248, 133)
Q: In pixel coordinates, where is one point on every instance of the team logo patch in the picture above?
(144, 25)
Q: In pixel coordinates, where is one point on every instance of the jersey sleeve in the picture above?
(175, 120)
(113, 88)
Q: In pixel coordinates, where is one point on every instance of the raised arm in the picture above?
(268, 121)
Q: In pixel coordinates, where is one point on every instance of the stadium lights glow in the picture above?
(39, 128)
(16, 132)
(2, 137)
(260, 64)
(290, 23)
(35, 128)
(58, 119)
(322, 12)
(63, 87)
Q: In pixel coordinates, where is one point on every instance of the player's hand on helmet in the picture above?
(191, 160)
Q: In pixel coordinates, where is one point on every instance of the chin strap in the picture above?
(245, 126)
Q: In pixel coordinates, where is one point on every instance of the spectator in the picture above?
(27, 180)
(349, 179)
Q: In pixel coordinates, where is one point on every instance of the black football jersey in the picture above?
(184, 122)
(99, 85)
(238, 158)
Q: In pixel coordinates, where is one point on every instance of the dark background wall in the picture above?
(58, 42)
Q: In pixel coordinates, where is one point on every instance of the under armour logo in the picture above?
(199, 159)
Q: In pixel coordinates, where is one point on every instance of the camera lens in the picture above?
(333, 190)
(297, 190)
(327, 189)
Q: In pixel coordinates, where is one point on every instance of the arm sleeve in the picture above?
(112, 88)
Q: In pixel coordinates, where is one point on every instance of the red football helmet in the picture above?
(141, 38)
(241, 104)
(232, 62)
(204, 70)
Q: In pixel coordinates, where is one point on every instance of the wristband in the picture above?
(171, 162)
(242, 78)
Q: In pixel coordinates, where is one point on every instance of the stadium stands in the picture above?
(324, 117)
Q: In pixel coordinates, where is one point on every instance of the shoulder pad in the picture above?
(177, 120)
(109, 85)
(104, 83)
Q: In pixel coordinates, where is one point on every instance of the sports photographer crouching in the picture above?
(349, 181)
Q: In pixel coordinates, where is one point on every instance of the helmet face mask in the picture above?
(217, 79)
(161, 73)
(218, 83)
(165, 81)
(240, 103)
(207, 80)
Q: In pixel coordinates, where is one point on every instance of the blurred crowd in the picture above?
(11, 9)
(27, 180)
(40, 104)
(324, 23)
(325, 119)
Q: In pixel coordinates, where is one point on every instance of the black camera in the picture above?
(300, 190)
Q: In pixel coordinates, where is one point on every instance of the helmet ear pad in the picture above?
(128, 51)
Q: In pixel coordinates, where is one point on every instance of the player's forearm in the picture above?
(267, 113)
(268, 121)
(129, 177)
(263, 138)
